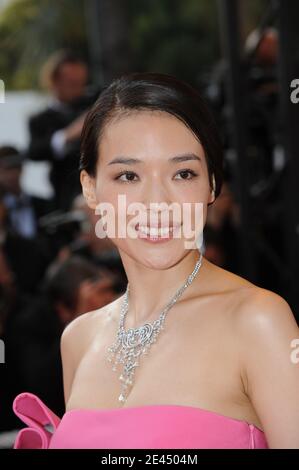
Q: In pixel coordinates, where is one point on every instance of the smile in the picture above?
(155, 233)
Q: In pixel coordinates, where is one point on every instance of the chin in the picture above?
(159, 259)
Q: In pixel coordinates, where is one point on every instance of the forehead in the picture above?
(147, 134)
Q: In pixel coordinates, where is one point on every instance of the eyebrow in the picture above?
(176, 159)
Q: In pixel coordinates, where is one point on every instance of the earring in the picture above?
(213, 183)
(213, 190)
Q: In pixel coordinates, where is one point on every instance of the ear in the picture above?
(212, 196)
(88, 189)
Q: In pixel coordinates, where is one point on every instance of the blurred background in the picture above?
(55, 58)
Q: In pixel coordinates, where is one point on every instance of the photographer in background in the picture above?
(55, 132)
(24, 248)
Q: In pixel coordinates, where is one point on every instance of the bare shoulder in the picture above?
(265, 312)
(79, 332)
(253, 308)
(76, 338)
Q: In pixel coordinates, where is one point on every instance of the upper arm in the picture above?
(67, 359)
(267, 330)
(72, 345)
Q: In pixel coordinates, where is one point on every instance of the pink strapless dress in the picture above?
(138, 427)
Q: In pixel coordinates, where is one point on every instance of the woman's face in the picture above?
(154, 139)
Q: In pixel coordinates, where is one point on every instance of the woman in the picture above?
(219, 373)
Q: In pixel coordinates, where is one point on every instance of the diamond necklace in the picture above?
(135, 342)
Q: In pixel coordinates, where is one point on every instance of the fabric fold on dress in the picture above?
(38, 417)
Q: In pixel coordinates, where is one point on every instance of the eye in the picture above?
(129, 174)
(185, 172)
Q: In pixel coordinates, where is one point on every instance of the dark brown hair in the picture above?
(152, 91)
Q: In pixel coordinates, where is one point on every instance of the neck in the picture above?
(152, 288)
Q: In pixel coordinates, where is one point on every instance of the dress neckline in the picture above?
(140, 407)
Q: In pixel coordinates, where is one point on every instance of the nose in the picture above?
(155, 192)
(157, 201)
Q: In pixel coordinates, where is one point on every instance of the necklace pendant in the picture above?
(121, 398)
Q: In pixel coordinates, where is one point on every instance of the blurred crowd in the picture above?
(52, 266)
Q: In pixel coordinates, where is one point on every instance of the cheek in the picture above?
(194, 203)
(198, 191)
(119, 197)
(105, 191)
(112, 202)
